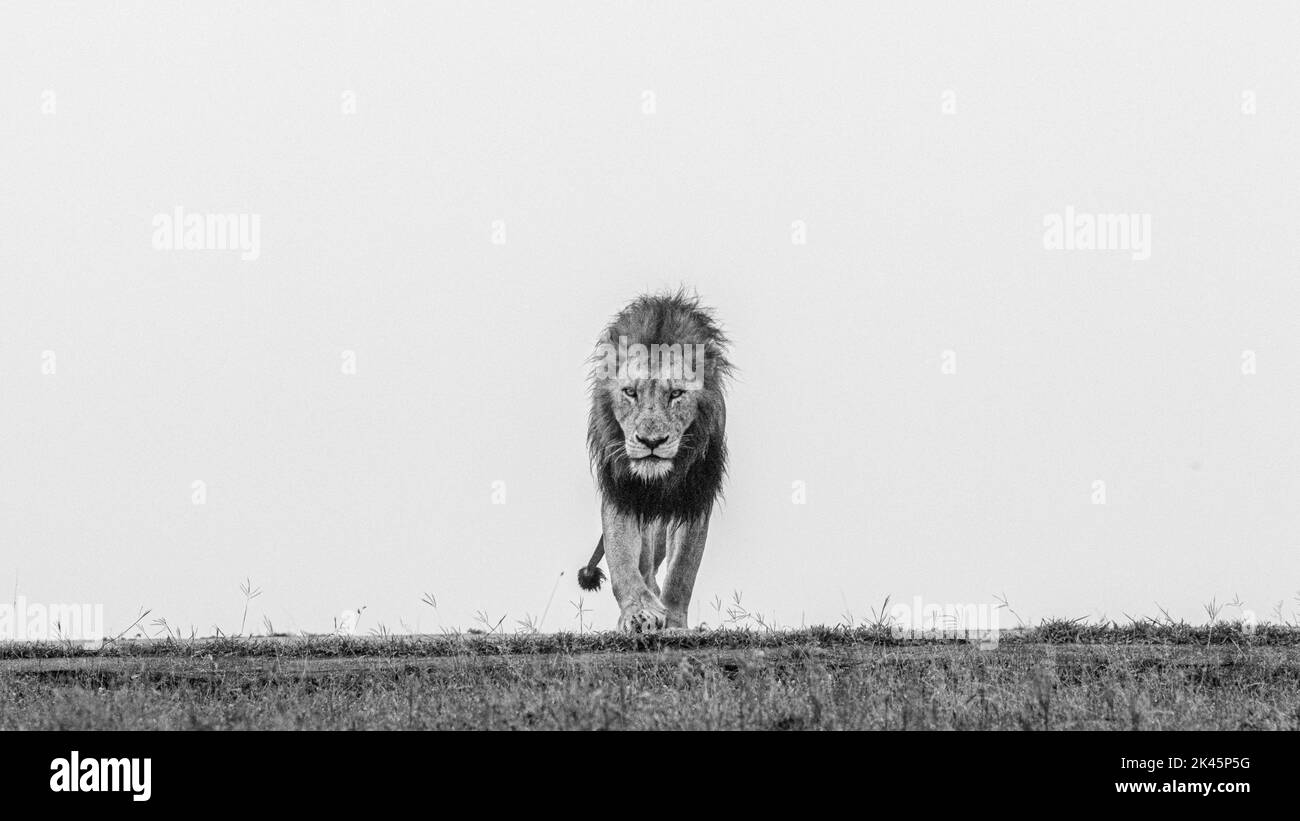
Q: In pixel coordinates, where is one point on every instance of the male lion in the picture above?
(656, 435)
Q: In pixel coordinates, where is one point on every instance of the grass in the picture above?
(490, 642)
(1063, 674)
(746, 673)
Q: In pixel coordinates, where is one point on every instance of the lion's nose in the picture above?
(652, 443)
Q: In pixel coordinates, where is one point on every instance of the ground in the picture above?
(1058, 676)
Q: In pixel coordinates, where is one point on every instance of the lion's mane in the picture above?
(695, 482)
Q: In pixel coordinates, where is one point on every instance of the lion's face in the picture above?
(656, 430)
(655, 415)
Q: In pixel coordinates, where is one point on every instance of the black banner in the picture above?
(265, 771)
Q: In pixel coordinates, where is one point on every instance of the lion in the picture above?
(656, 437)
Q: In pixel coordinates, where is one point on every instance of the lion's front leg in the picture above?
(640, 608)
(685, 549)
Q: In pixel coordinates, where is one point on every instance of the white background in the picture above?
(924, 234)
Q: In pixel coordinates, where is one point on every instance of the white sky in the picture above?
(924, 234)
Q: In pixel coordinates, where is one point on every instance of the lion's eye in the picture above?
(630, 393)
(676, 392)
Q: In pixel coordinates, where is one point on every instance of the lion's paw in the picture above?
(642, 617)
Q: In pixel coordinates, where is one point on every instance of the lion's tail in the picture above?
(590, 576)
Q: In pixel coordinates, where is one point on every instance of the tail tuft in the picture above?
(590, 577)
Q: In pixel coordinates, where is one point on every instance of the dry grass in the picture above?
(1059, 675)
